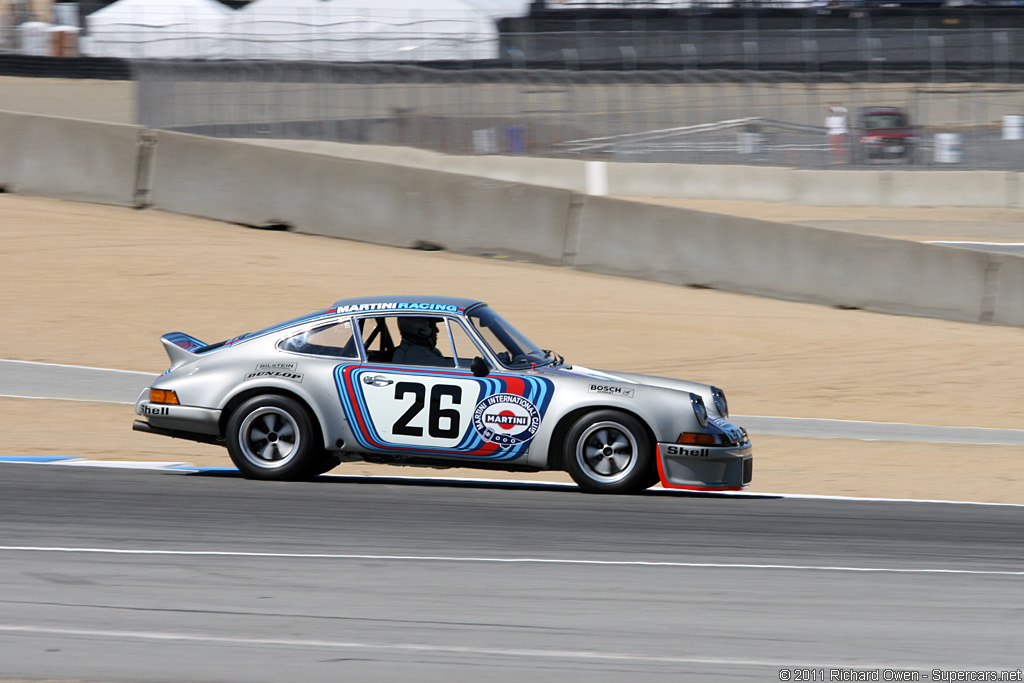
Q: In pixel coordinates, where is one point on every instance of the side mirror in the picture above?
(480, 367)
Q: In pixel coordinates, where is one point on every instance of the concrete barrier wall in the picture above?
(839, 188)
(1007, 292)
(883, 186)
(757, 183)
(969, 188)
(563, 174)
(324, 195)
(68, 158)
(780, 260)
(386, 204)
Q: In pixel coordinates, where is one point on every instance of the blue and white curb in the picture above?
(72, 461)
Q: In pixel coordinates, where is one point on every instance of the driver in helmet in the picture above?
(419, 342)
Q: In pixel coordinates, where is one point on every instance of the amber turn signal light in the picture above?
(698, 439)
(163, 396)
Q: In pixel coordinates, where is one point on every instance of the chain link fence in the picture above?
(682, 116)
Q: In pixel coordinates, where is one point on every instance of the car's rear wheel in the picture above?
(271, 437)
(608, 451)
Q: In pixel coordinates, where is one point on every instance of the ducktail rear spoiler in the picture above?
(180, 347)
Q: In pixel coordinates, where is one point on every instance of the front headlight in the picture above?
(699, 410)
(721, 404)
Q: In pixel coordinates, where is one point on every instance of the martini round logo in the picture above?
(506, 419)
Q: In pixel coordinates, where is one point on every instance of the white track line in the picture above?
(79, 367)
(812, 496)
(983, 244)
(75, 400)
(576, 655)
(500, 560)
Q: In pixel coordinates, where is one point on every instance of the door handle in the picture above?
(377, 380)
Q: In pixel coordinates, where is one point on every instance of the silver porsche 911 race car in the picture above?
(439, 382)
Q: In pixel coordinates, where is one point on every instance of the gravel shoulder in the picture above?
(96, 285)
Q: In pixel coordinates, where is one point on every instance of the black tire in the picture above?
(325, 463)
(608, 451)
(272, 437)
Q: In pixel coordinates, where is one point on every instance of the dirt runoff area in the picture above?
(94, 285)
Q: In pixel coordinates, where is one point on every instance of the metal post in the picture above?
(1001, 55)
(628, 57)
(750, 56)
(750, 62)
(811, 69)
(571, 57)
(811, 57)
(517, 57)
(690, 58)
(876, 61)
(937, 54)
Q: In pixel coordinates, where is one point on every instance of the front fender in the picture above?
(666, 413)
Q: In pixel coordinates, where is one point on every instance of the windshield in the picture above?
(884, 121)
(508, 344)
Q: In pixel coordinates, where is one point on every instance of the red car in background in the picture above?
(883, 133)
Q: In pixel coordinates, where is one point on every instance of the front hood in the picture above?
(704, 390)
(628, 378)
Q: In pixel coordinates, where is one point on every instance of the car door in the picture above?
(439, 410)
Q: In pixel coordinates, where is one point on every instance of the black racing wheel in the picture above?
(608, 451)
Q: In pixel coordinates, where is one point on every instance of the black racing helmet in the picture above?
(419, 329)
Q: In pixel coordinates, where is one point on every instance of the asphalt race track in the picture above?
(121, 575)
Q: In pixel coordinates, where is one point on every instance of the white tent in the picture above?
(356, 30)
(157, 29)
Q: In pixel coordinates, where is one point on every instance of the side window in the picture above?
(333, 339)
(410, 340)
(380, 336)
(465, 350)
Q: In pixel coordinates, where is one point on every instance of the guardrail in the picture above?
(313, 193)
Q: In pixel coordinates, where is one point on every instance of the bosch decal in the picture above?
(610, 390)
(506, 419)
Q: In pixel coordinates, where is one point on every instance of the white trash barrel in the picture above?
(1013, 127)
(949, 148)
(34, 38)
(749, 143)
(485, 141)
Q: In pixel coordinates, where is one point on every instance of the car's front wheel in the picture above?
(271, 437)
(608, 451)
